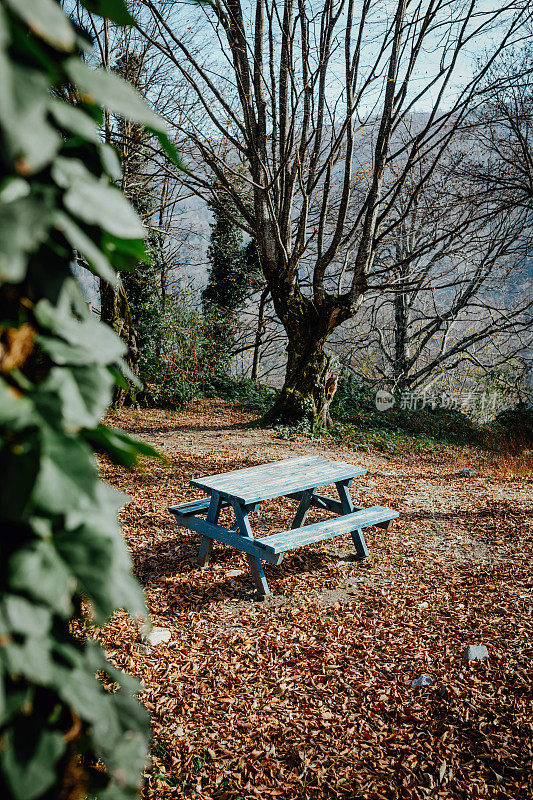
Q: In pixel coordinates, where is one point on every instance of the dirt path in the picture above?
(424, 488)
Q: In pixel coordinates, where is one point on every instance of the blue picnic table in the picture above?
(244, 489)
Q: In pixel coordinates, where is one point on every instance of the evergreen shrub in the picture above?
(186, 357)
(249, 395)
(515, 427)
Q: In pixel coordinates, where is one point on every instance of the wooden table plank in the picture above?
(260, 471)
(289, 540)
(276, 486)
(278, 478)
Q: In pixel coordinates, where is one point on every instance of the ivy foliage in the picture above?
(70, 725)
(234, 273)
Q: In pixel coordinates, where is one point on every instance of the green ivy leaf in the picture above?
(126, 761)
(18, 457)
(89, 554)
(28, 762)
(128, 374)
(13, 189)
(86, 246)
(16, 410)
(86, 342)
(120, 447)
(109, 90)
(25, 617)
(132, 715)
(74, 120)
(168, 148)
(110, 161)
(32, 659)
(133, 720)
(125, 253)
(118, 378)
(67, 474)
(94, 549)
(3, 705)
(15, 700)
(24, 226)
(84, 393)
(81, 690)
(115, 10)
(29, 138)
(46, 20)
(96, 201)
(38, 570)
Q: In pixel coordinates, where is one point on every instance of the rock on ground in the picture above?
(423, 680)
(156, 636)
(475, 653)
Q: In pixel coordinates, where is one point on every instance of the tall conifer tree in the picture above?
(234, 272)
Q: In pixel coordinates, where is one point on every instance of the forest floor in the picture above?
(308, 694)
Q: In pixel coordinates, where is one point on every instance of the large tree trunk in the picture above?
(115, 312)
(309, 385)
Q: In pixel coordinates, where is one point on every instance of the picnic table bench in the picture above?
(244, 489)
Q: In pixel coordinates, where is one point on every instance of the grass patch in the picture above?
(360, 425)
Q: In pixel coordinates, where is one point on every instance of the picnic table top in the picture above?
(277, 478)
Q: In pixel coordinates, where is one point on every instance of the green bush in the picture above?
(249, 395)
(176, 370)
(351, 398)
(354, 404)
(61, 542)
(438, 423)
(515, 427)
(165, 386)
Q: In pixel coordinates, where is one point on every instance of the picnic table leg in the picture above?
(206, 544)
(360, 545)
(303, 508)
(256, 568)
(347, 508)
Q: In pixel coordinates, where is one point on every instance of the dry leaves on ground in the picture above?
(309, 695)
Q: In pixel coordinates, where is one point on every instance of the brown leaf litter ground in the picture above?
(308, 694)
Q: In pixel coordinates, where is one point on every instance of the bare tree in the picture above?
(296, 114)
(455, 296)
(259, 339)
(500, 164)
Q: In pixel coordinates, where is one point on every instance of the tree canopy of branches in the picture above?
(295, 108)
(462, 301)
(502, 128)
